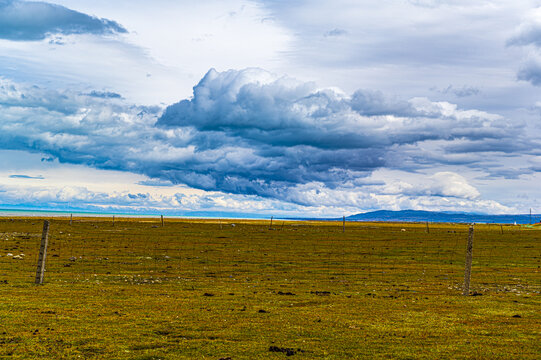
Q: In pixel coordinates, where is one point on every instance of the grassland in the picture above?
(201, 289)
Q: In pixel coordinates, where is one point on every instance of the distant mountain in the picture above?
(446, 217)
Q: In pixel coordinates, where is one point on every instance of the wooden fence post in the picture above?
(42, 253)
(113, 220)
(427, 228)
(270, 226)
(501, 228)
(343, 224)
(71, 219)
(469, 259)
(162, 220)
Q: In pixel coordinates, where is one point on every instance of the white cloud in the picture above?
(452, 184)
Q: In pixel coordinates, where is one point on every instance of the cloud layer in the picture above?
(250, 132)
(33, 20)
(272, 133)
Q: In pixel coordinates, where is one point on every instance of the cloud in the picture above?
(460, 92)
(335, 32)
(420, 192)
(442, 184)
(279, 132)
(33, 20)
(453, 185)
(250, 132)
(528, 36)
(84, 198)
(39, 177)
(529, 31)
(312, 199)
(531, 72)
(104, 94)
(156, 182)
(256, 106)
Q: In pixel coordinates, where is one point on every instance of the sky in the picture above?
(264, 107)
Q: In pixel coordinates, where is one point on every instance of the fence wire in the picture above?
(366, 257)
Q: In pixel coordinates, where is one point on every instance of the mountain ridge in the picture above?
(442, 216)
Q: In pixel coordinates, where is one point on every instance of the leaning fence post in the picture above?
(42, 253)
(427, 228)
(469, 258)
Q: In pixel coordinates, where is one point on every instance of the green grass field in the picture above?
(202, 289)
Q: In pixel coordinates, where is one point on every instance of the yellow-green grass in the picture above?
(204, 289)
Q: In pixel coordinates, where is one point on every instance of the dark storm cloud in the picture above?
(297, 133)
(246, 132)
(33, 20)
(253, 107)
